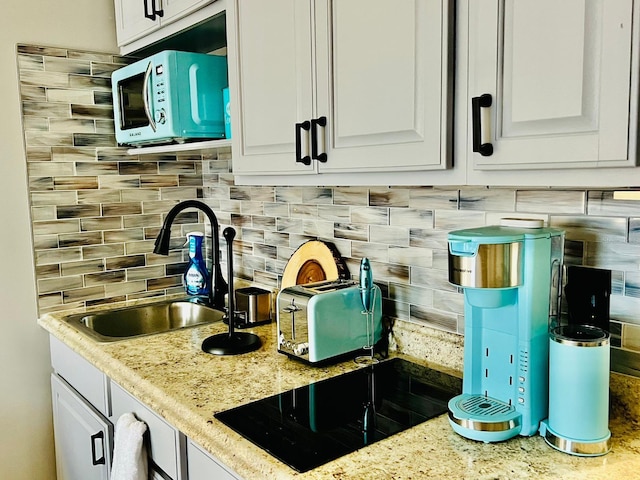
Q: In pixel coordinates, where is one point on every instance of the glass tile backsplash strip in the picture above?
(95, 209)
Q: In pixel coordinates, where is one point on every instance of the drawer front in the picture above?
(203, 466)
(86, 379)
(166, 444)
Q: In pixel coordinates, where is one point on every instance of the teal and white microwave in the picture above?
(169, 97)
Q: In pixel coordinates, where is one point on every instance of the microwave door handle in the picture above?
(145, 97)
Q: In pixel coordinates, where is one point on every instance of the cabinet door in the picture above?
(175, 9)
(379, 75)
(559, 77)
(131, 22)
(274, 70)
(83, 437)
(384, 84)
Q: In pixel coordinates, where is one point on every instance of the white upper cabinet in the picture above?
(383, 80)
(337, 87)
(175, 9)
(134, 19)
(558, 77)
(275, 75)
(140, 23)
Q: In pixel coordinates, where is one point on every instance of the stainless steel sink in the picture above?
(136, 321)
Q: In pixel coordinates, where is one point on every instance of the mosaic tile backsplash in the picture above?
(96, 212)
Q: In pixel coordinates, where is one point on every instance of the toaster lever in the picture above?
(292, 308)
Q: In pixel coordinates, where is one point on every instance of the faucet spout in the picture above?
(219, 287)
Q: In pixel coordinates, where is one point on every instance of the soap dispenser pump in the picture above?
(196, 276)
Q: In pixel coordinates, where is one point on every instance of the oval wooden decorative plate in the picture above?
(314, 261)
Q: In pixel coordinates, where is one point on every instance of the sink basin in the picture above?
(136, 321)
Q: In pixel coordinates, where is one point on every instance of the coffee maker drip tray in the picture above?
(483, 418)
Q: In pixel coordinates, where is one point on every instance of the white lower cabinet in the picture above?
(83, 437)
(87, 405)
(203, 466)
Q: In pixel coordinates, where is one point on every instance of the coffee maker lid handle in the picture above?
(462, 248)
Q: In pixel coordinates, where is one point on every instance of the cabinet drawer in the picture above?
(86, 379)
(166, 444)
(203, 466)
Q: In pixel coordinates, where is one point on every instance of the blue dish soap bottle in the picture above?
(196, 276)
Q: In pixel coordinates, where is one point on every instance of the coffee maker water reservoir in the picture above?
(511, 275)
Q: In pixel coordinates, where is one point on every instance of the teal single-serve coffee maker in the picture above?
(511, 276)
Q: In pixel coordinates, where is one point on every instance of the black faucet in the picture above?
(218, 287)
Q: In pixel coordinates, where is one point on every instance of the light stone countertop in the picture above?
(170, 374)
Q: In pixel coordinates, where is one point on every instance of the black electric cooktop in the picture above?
(312, 425)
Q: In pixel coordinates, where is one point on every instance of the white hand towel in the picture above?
(130, 454)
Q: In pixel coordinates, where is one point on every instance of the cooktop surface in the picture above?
(314, 424)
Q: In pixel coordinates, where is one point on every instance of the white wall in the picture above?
(26, 441)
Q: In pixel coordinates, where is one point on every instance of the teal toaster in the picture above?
(323, 321)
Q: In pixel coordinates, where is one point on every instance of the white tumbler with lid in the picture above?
(578, 421)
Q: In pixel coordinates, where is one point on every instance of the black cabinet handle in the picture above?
(158, 11)
(151, 13)
(148, 14)
(315, 123)
(483, 101)
(306, 126)
(94, 437)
